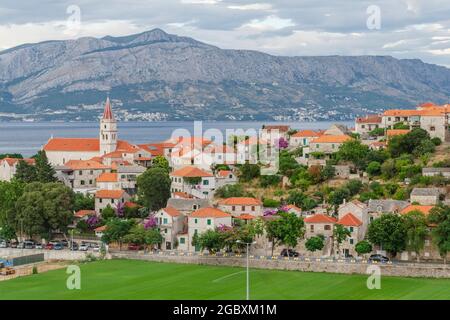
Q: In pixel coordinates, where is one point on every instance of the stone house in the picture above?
(237, 206)
(103, 198)
(425, 196)
(171, 222)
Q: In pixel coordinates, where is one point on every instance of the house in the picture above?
(377, 207)
(127, 176)
(292, 208)
(357, 209)
(108, 181)
(238, 206)
(319, 224)
(364, 125)
(302, 138)
(205, 219)
(274, 132)
(432, 172)
(187, 205)
(103, 198)
(357, 231)
(225, 177)
(396, 132)
(425, 196)
(8, 167)
(193, 181)
(170, 222)
(421, 208)
(323, 147)
(100, 231)
(81, 175)
(337, 130)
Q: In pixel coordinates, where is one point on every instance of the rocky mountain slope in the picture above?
(155, 75)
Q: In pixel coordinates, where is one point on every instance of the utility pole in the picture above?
(248, 244)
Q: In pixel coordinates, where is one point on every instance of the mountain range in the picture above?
(158, 76)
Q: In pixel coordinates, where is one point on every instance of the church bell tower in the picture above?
(108, 130)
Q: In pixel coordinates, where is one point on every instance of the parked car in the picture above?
(378, 258)
(20, 245)
(38, 246)
(135, 247)
(28, 244)
(73, 246)
(83, 247)
(96, 248)
(3, 244)
(64, 243)
(58, 246)
(49, 246)
(14, 245)
(288, 253)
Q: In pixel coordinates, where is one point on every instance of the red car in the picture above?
(135, 247)
(49, 246)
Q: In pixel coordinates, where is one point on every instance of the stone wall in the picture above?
(7, 253)
(402, 269)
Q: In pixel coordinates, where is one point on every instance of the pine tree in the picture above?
(44, 171)
(25, 172)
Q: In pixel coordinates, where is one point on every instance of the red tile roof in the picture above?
(191, 172)
(245, 217)
(73, 144)
(209, 213)
(107, 177)
(13, 161)
(349, 220)
(281, 128)
(224, 173)
(109, 194)
(85, 165)
(183, 195)
(332, 139)
(369, 119)
(171, 211)
(83, 213)
(240, 201)
(424, 209)
(396, 132)
(306, 133)
(320, 218)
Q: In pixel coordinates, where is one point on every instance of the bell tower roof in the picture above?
(107, 113)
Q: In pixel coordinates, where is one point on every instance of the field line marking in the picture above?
(227, 276)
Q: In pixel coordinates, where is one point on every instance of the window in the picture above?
(208, 222)
(90, 181)
(182, 240)
(80, 172)
(432, 128)
(327, 227)
(332, 146)
(351, 241)
(112, 200)
(165, 220)
(351, 229)
(195, 207)
(233, 208)
(205, 182)
(100, 200)
(82, 182)
(195, 220)
(165, 230)
(311, 228)
(91, 172)
(253, 208)
(243, 208)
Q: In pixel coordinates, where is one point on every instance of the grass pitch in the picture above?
(132, 279)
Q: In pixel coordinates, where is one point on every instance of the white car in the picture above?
(3, 244)
(38, 246)
(83, 247)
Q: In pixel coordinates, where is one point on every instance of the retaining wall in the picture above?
(400, 269)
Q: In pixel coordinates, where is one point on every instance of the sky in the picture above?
(400, 28)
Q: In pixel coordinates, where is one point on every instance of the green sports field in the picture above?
(129, 279)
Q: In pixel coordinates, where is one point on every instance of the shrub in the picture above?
(271, 203)
(436, 141)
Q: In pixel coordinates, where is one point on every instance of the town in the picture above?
(379, 191)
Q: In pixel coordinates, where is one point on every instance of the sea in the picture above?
(27, 138)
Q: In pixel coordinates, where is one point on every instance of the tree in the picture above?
(44, 171)
(287, 163)
(44, 207)
(154, 188)
(153, 237)
(116, 231)
(373, 168)
(285, 228)
(354, 151)
(83, 202)
(211, 240)
(10, 192)
(248, 172)
(138, 234)
(389, 232)
(7, 232)
(416, 231)
(315, 243)
(363, 247)
(269, 180)
(340, 233)
(25, 172)
(230, 190)
(354, 186)
(108, 213)
(440, 216)
(161, 162)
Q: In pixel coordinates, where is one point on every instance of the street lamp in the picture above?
(248, 244)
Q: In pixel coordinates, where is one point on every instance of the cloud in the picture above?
(409, 28)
